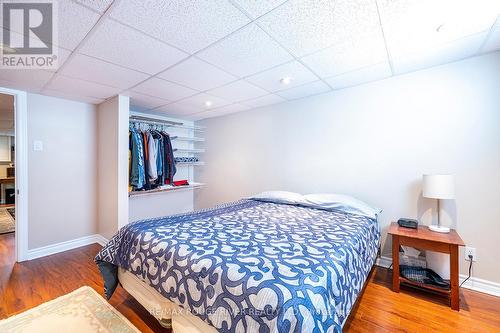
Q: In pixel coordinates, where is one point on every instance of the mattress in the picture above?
(251, 265)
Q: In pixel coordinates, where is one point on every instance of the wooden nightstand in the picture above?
(425, 239)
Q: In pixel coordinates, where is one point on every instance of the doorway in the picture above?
(14, 171)
(7, 169)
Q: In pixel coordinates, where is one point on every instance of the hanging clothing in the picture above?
(137, 175)
(152, 161)
(161, 153)
(169, 165)
(160, 156)
(152, 157)
(147, 185)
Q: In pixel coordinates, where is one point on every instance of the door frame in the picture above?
(21, 170)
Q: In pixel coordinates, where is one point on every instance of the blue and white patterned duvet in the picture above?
(253, 266)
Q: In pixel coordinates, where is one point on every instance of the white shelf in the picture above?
(189, 163)
(187, 150)
(186, 138)
(191, 186)
(192, 128)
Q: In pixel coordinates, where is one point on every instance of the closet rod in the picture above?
(168, 123)
(145, 120)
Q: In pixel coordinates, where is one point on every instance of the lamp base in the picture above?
(437, 228)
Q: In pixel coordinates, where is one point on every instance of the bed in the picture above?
(246, 266)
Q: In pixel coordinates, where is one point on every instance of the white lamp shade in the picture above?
(438, 187)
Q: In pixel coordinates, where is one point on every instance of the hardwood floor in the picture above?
(28, 284)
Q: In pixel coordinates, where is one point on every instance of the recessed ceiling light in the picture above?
(286, 80)
(208, 104)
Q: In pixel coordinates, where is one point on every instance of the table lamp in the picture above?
(438, 187)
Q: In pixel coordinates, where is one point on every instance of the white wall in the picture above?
(62, 177)
(160, 204)
(112, 165)
(375, 141)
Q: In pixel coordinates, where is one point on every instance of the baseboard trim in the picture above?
(382, 261)
(65, 246)
(101, 240)
(483, 286)
(476, 284)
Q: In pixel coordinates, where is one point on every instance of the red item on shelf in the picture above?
(181, 182)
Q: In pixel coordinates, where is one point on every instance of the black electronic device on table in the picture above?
(408, 223)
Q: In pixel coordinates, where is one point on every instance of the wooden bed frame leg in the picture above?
(395, 263)
(165, 323)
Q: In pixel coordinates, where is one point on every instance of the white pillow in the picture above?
(341, 202)
(285, 197)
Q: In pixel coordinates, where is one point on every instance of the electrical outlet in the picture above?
(470, 251)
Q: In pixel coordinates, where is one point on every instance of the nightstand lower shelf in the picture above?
(419, 285)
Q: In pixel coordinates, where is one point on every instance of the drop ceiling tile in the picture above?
(200, 100)
(178, 109)
(363, 75)
(292, 25)
(189, 25)
(76, 87)
(25, 79)
(74, 22)
(181, 109)
(270, 79)
(163, 89)
(72, 97)
(62, 56)
(493, 42)
(145, 101)
(246, 52)
(197, 74)
(99, 5)
(238, 91)
(257, 8)
(101, 72)
(305, 90)
(306, 26)
(229, 109)
(264, 101)
(195, 116)
(453, 51)
(354, 19)
(132, 49)
(415, 26)
(347, 56)
(232, 108)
